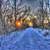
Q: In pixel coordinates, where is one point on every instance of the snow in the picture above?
(28, 39)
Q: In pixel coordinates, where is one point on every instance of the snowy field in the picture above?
(28, 39)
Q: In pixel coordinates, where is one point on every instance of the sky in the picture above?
(34, 4)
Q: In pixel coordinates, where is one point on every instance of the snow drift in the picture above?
(28, 39)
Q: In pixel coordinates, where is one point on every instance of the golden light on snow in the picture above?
(35, 16)
(45, 21)
(27, 18)
(30, 24)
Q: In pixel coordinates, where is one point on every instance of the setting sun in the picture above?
(18, 24)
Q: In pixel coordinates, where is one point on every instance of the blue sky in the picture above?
(32, 3)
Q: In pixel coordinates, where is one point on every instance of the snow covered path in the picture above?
(28, 39)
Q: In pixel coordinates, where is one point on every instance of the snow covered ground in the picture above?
(28, 39)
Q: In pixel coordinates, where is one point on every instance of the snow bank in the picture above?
(28, 39)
